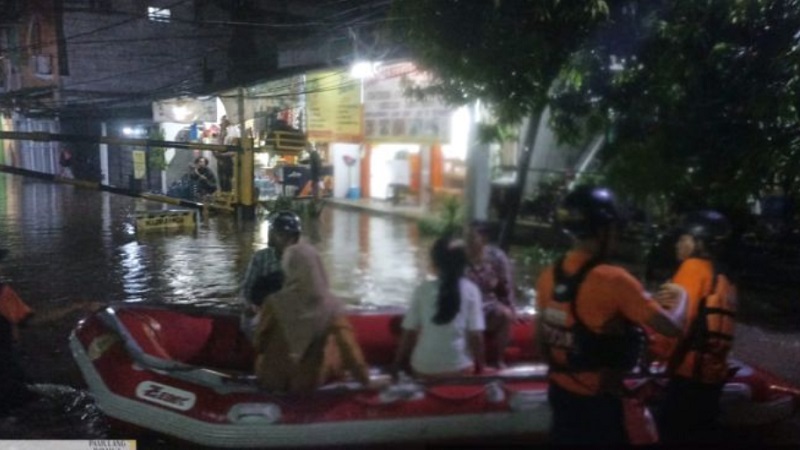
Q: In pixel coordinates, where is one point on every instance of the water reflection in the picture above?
(68, 242)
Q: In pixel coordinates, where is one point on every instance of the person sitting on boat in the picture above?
(587, 326)
(490, 269)
(698, 364)
(303, 338)
(443, 327)
(264, 275)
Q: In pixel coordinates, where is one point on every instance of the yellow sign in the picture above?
(334, 107)
(166, 219)
(139, 164)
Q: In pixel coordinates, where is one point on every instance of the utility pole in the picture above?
(247, 203)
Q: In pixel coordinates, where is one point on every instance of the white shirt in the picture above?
(443, 348)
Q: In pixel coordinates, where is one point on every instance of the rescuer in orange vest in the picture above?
(697, 364)
(589, 314)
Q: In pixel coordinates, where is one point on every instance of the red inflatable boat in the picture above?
(187, 373)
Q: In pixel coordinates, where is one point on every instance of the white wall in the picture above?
(345, 177)
(384, 169)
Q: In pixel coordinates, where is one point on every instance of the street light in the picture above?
(363, 69)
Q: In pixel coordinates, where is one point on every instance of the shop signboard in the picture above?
(139, 164)
(334, 106)
(391, 116)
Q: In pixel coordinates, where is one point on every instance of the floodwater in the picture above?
(68, 242)
(70, 245)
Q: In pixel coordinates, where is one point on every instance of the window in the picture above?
(157, 14)
(40, 63)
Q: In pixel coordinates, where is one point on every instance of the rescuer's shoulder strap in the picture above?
(565, 287)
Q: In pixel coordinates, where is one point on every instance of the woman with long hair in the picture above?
(443, 327)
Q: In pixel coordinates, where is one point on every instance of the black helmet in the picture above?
(587, 210)
(285, 221)
(708, 226)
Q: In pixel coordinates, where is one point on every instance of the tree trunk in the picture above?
(524, 162)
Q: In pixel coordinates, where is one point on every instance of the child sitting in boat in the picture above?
(302, 338)
(443, 327)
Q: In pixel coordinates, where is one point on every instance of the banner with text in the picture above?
(334, 107)
(390, 116)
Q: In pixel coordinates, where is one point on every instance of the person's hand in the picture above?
(669, 295)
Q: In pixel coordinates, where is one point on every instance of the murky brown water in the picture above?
(69, 244)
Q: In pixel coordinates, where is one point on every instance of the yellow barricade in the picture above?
(172, 218)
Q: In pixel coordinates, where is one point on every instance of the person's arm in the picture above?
(506, 290)
(254, 269)
(673, 300)
(638, 307)
(51, 315)
(666, 324)
(210, 177)
(476, 323)
(352, 356)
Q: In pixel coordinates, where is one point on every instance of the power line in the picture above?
(157, 94)
(58, 41)
(205, 54)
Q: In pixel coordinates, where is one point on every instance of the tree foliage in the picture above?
(704, 101)
(699, 98)
(504, 52)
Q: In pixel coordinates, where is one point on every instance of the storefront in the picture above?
(273, 118)
(414, 148)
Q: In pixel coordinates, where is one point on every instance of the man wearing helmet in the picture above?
(697, 364)
(589, 313)
(264, 275)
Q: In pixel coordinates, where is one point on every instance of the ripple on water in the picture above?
(60, 412)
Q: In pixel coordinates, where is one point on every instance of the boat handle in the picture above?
(110, 319)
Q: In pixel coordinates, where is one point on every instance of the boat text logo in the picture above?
(166, 395)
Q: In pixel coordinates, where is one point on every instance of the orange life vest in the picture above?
(702, 354)
(570, 345)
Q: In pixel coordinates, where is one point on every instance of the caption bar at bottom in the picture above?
(101, 444)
